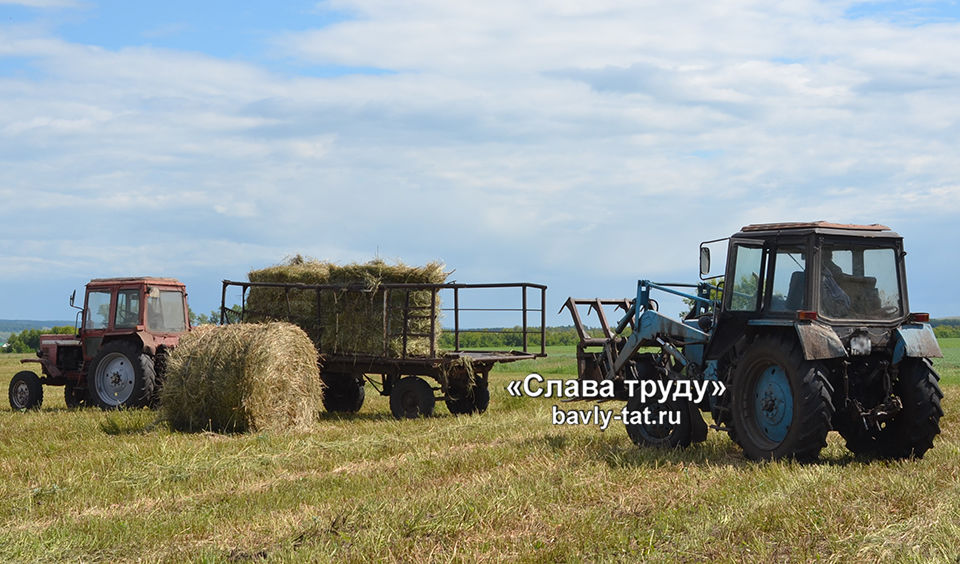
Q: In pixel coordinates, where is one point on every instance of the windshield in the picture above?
(165, 311)
(859, 283)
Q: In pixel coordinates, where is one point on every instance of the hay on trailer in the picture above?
(351, 321)
(242, 377)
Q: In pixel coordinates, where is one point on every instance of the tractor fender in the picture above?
(819, 342)
(916, 340)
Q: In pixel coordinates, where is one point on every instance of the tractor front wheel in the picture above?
(73, 396)
(411, 397)
(655, 424)
(781, 404)
(26, 392)
(121, 376)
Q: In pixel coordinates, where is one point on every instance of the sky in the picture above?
(582, 145)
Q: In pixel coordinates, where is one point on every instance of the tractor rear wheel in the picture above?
(411, 397)
(26, 391)
(911, 432)
(344, 392)
(120, 376)
(781, 405)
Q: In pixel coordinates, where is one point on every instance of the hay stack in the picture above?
(243, 377)
(349, 321)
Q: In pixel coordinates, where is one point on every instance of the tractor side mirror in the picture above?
(704, 261)
(73, 298)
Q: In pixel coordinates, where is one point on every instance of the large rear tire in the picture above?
(26, 391)
(911, 432)
(781, 405)
(120, 376)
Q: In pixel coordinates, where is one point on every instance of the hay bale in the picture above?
(242, 377)
(349, 321)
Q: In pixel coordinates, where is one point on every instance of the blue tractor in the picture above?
(809, 330)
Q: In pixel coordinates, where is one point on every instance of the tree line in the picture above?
(508, 337)
(28, 340)
(945, 328)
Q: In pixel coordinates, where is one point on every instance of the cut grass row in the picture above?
(506, 485)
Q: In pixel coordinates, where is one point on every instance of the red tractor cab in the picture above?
(117, 359)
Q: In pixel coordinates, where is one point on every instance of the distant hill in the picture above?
(17, 325)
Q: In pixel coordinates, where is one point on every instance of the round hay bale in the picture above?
(243, 377)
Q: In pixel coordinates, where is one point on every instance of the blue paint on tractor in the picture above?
(773, 403)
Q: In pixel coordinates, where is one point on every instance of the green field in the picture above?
(506, 485)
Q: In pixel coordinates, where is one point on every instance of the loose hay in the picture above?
(242, 377)
(350, 321)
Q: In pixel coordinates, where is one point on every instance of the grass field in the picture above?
(506, 485)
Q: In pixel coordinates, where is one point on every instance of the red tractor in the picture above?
(117, 359)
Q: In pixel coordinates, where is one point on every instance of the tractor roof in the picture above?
(812, 224)
(135, 280)
(825, 227)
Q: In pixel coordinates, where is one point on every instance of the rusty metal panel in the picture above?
(819, 342)
(917, 341)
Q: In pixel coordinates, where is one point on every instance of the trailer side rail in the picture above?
(397, 309)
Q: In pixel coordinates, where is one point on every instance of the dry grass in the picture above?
(350, 321)
(507, 485)
(242, 377)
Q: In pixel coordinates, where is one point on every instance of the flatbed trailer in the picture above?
(461, 375)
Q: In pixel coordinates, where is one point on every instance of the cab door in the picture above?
(98, 311)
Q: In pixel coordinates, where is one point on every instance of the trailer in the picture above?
(461, 375)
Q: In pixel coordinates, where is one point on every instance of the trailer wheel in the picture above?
(26, 392)
(73, 396)
(121, 376)
(476, 401)
(781, 402)
(411, 397)
(344, 392)
(912, 431)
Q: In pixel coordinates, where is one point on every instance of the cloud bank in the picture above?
(583, 147)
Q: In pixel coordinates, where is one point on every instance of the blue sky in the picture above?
(579, 145)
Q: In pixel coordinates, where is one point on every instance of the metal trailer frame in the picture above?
(456, 371)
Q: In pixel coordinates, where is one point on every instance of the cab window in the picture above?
(746, 278)
(789, 280)
(165, 311)
(98, 309)
(128, 309)
(859, 282)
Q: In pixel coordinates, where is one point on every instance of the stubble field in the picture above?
(506, 485)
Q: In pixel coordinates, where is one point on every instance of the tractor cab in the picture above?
(843, 274)
(848, 279)
(118, 357)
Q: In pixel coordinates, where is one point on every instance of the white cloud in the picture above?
(509, 138)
